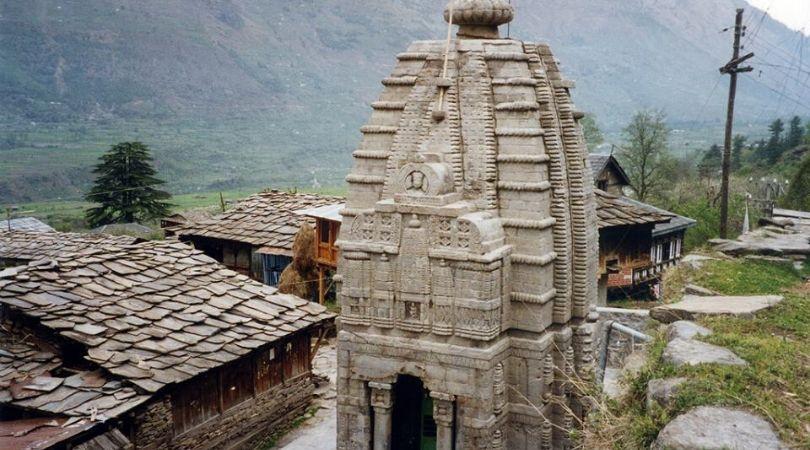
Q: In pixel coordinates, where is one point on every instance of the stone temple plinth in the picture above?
(468, 250)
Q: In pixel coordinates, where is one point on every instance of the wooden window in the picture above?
(296, 356)
(269, 369)
(323, 228)
(195, 402)
(237, 383)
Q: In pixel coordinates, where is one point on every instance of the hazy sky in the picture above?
(794, 13)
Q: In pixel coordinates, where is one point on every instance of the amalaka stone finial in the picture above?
(479, 19)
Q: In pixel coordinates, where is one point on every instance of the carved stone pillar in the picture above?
(382, 401)
(443, 415)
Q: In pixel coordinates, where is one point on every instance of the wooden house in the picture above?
(327, 227)
(626, 265)
(637, 241)
(255, 237)
(608, 175)
(154, 342)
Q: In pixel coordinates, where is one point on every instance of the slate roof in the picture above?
(31, 224)
(614, 211)
(154, 313)
(266, 220)
(28, 381)
(328, 212)
(600, 162)
(676, 223)
(29, 246)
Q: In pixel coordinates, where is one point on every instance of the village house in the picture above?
(608, 175)
(153, 342)
(626, 265)
(29, 224)
(327, 228)
(637, 241)
(255, 237)
(19, 248)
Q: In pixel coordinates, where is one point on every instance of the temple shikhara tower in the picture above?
(468, 250)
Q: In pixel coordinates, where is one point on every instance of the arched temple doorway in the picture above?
(413, 425)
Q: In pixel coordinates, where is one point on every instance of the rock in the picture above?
(713, 428)
(696, 261)
(634, 362)
(693, 306)
(693, 289)
(688, 352)
(661, 391)
(684, 329)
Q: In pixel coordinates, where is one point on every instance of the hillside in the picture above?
(273, 92)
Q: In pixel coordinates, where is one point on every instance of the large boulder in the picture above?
(714, 428)
(688, 352)
(693, 306)
(685, 329)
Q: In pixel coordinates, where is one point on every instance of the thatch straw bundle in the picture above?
(300, 277)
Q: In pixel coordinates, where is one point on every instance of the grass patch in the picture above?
(776, 344)
(747, 276)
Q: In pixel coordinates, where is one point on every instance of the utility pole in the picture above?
(732, 68)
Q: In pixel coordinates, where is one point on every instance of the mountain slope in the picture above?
(286, 84)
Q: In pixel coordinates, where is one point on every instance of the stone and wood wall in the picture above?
(235, 406)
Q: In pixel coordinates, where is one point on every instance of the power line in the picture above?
(782, 95)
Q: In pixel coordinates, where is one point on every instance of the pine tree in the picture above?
(736, 151)
(795, 134)
(773, 149)
(798, 196)
(125, 187)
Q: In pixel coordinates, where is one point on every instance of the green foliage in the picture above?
(775, 145)
(711, 162)
(593, 135)
(125, 187)
(795, 134)
(798, 196)
(646, 157)
(695, 204)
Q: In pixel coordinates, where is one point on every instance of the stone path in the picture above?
(688, 352)
(781, 237)
(704, 427)
(693, 306)
(320, 431)
(713, 428)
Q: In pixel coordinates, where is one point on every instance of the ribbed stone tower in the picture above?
(469, 249)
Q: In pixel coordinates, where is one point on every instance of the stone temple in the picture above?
(469, 250)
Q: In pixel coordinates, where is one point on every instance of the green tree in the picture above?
(795, 134)
(593, 135)
(646, 156)
(737, 147)
(125, 187)
(807, 133)
(773, 149)
(711, 162)
(798, 196)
